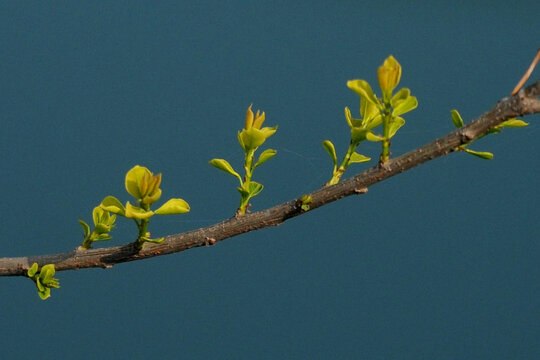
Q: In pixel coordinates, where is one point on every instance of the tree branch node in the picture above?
(360, 191)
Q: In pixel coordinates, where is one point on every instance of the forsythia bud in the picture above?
(253, 120)
(389, 74)
(254, 135)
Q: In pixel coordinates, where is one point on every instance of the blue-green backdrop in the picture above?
(438, 263)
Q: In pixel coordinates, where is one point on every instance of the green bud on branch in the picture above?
(251, 137)
(144, 186)
(43, 279)
(457, 120)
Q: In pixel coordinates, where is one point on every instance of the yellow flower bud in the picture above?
(255, 121)
(143, 185)
(389, 74)
(259, 119)
(249, 118)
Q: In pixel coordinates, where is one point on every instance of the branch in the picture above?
(523, 103)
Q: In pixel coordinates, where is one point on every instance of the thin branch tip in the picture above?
(527, 74)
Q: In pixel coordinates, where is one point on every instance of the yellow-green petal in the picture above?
(249, 118)
(259, 120)
(150, 199)
(389, 74)
(252, 138)
(134, 178)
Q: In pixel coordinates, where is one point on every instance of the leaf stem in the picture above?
(143, 227)
(387, 115)
(338, 172)
(248, 168)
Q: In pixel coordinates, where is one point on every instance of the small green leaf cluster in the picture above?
(305, 202)
(252, 136)
(457, 120)
(103, 224)
(143, 185)
(374, 112)
(43, 279)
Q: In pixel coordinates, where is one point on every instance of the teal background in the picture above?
(440, 262)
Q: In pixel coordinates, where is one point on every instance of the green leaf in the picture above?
(45, 293)
(456, 118)
(135, 212)
(224, 165)
(102, 228)
(39, 285)
(97, 213)
(372, 137)
(362, 88)
(86, 228)
(327, 144)
(350, 120)
(46, 274)
(155, 241)
(269, 131)
(404, 106)
(265, 156)
(254, 188)
(241, 141)
(102, 217)
(400, 96)
(243, 192)
(370, 123)
(173, 206)
(252, 138)
(358, 158)
(495, 130)
(103, 237)
(45, 281)
(513, 123)
(112, 204)
(394, 124)
(33, 270)
(481, 154)
(306, 200)
(368, 111)
(358, 134)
